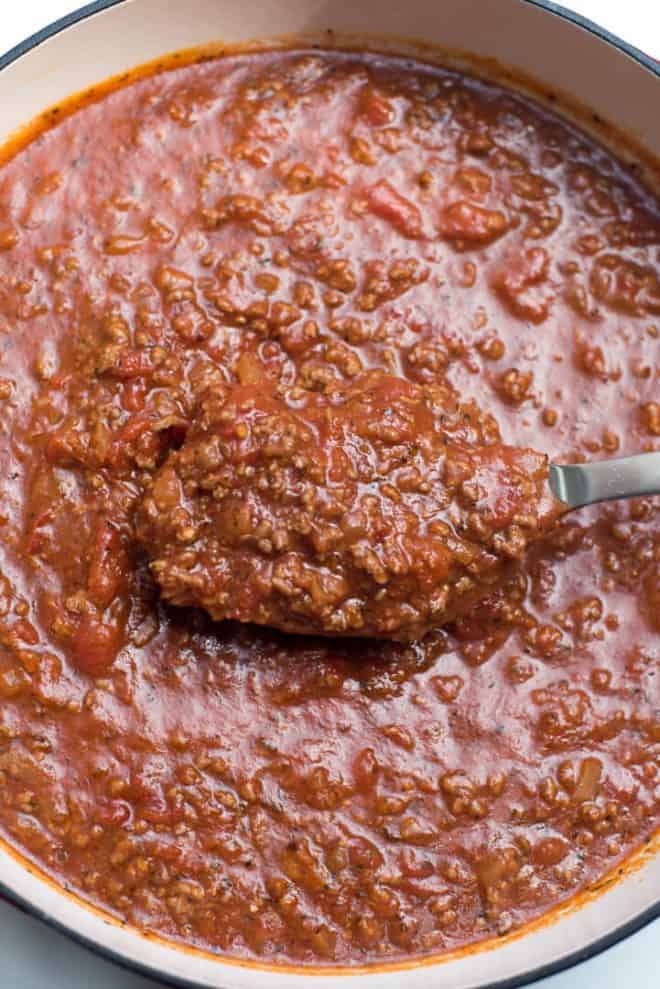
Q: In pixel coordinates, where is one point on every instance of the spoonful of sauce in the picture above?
(378, 508)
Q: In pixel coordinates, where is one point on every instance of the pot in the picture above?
(566, 55)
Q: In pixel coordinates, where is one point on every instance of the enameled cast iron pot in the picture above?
(538, 39)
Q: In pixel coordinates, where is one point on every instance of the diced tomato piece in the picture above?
(384, 201)
(107, 569)
(95, 646)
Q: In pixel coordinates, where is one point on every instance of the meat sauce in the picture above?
(295, 220)
(374, 508)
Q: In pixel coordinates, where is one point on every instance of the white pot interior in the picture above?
(562, 56)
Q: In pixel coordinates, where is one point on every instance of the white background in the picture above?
(34, 957)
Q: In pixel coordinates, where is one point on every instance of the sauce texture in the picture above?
(295, 220)
(375, 508)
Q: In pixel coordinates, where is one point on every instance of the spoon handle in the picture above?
(606, 480)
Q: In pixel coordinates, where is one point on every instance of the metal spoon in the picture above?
(606, 480)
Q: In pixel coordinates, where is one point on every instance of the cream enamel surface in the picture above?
(637, 21)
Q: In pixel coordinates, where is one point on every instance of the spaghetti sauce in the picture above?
(296, 221)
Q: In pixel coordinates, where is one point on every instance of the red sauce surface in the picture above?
(315, 216)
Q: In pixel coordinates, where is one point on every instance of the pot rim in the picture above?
(561, 964)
